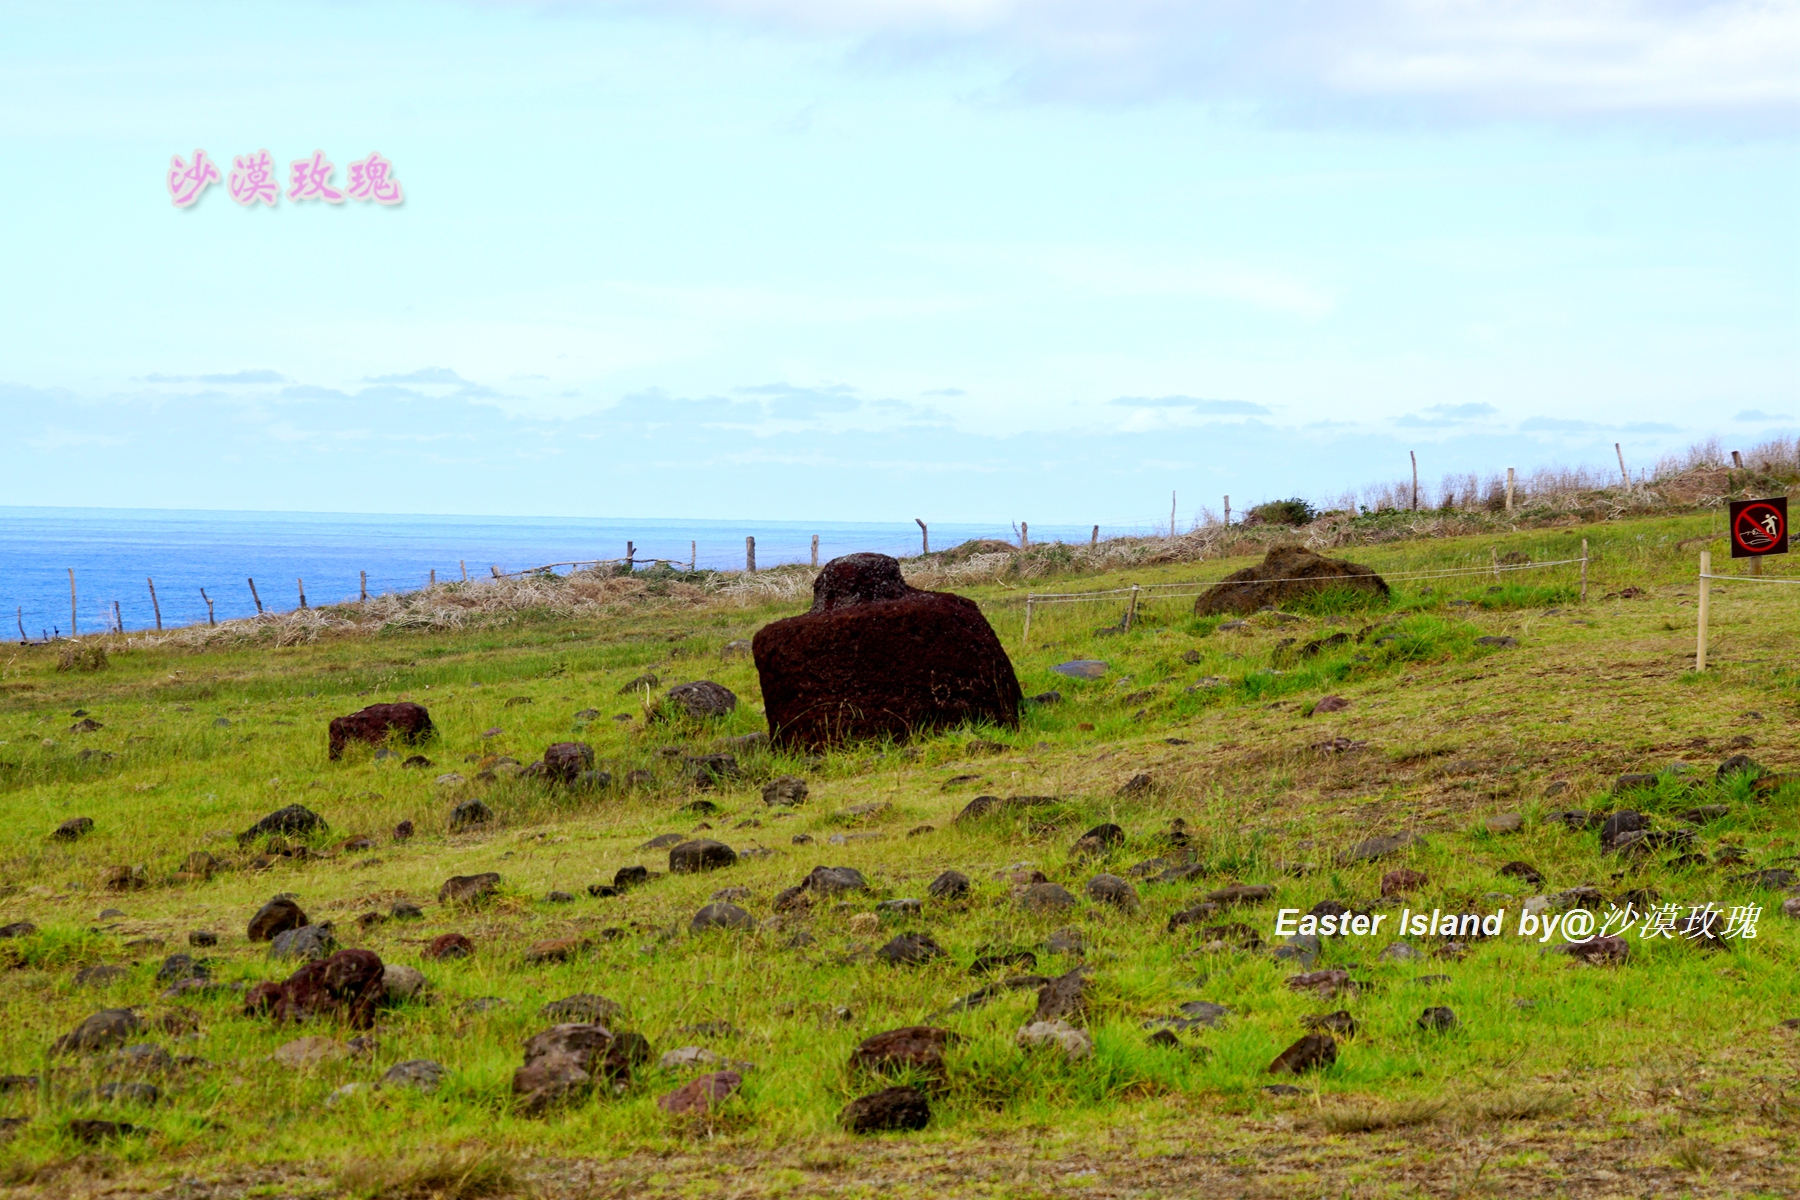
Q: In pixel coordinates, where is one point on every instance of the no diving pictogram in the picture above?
(1759, 527)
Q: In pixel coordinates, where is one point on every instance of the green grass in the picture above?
(1452, 731)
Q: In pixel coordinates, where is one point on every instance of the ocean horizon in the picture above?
(115, 553)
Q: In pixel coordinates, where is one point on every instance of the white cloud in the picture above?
(1456, 58)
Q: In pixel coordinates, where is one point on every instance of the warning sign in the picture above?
(1759, 527)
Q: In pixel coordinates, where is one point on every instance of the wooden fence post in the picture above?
(20, 614)
(1131, 612)
(255, 597)
(365, 588)
(1584, 565)
(156, 607)
(301, 583)
(209, 607)
(71, 601)
(1171, 515)
(924, 540)
(1509, 491)
(815, 550)
(1705, 607)
(1228, 511)
(630, 554)
(693, 554)
(1024, 535)
(1415, 498)
(1737, 460)
(1094, 538)
(118, 619)
(463, 563)
(750, 556)
(1624, 475)
(433, 577)
(1496, 557)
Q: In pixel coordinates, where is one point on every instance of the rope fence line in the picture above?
(1707, 578)
(1200, 587)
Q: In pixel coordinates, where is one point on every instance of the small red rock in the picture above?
(449, 945)
(1400, 882)
(706, 1092)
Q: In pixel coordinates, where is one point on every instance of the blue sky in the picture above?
(970, 259)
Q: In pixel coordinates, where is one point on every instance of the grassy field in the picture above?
(1671, 1074)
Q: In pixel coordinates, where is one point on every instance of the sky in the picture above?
(873, 259)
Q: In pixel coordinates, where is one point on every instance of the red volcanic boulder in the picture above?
(1286, 574)
(875, 657)
(378, 722)
(347, 986)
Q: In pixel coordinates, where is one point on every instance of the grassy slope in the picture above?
(1671, 1069)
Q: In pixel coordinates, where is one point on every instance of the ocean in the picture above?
(115, 553)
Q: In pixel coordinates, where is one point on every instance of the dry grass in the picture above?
(1367, 1117)
(467, 1173)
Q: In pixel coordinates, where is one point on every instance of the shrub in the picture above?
(90, 656)
(1294, 511)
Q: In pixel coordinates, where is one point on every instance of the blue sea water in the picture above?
(115, 552)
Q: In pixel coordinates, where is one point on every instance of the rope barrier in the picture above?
(1748, 579)
(1704, 607)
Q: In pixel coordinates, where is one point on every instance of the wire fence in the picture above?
(1703, 614)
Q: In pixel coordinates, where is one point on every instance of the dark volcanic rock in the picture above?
(702, 698)
(469, 813)
(1002, 960)
(909, 949)
(1524, 872)
(310, 942)
(892, 1109)
(563, 1061)
(105, 1029)
(915, 1047)
(1063, 998)
(469, 889)
(1046, 897)
(721, 916)
(834, 881)
(1619, 824)
(1739, 764)
(409, 723)
(709, 770)
(784, 791)
(295, 820)
(1437, 1019)
(73, 828)
(1110, 889)
(1313, 1052)
(951, 885)
(701, 854)
(1300, 573)
(564, 762)
(1099, 840)
(276, 917)
(345, 987)
(983, 806)
(875, 657)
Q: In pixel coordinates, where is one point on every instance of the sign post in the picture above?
(1758, 528)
